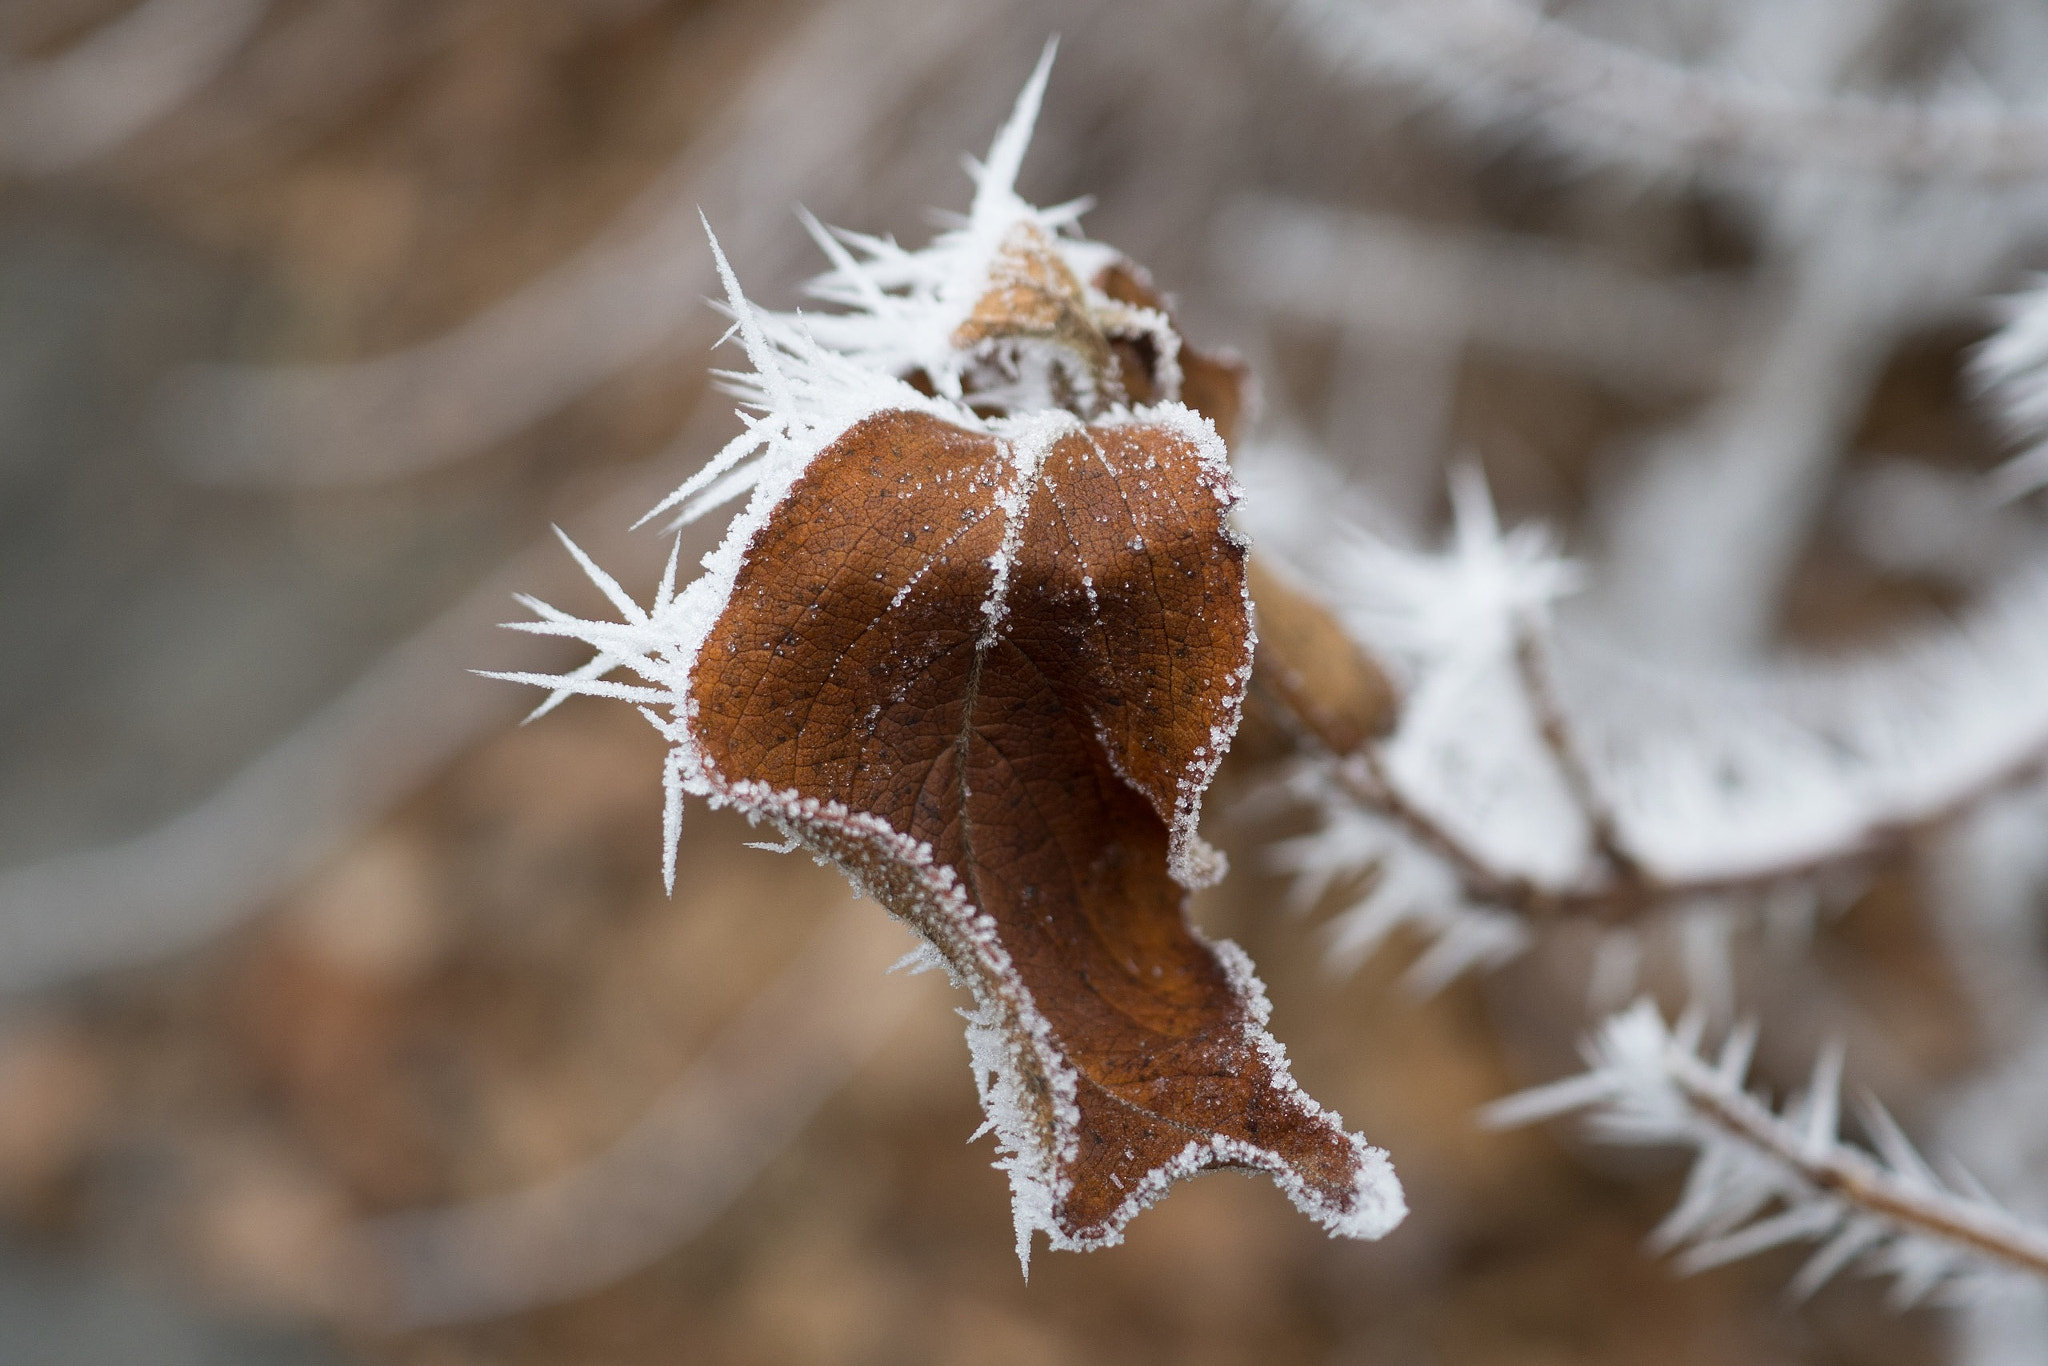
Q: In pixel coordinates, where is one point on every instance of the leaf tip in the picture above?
(1379, 1203)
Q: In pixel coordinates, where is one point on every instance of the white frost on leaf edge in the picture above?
(1380, 1203)
(1191, 860)
(1008, 1039)
(806, 393)
(1377, 1205)
(808, 396)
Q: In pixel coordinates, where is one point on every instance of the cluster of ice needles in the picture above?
(1764, 1177)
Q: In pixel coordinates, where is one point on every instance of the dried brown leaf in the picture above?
(1033, 296)
(989, 673)
(1216, 385)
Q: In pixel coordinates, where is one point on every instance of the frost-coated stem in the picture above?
(1532, 667)
(1633, 890)
(1368, 782)
(1854, 1176)
(1765, 1177)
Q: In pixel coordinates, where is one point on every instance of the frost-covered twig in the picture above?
(1860, 269)
(1766, 1177)
(1633, 890)
(1532, 667)
(1504, 63)
(1503, 792)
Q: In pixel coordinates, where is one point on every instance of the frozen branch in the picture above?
(1859, 269)
(1501, 63)
(1766, 1177)
(1532, 667)
(1677, 795)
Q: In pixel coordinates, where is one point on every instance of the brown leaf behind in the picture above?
(1314, 670)
(994, 692)
(1215, 384)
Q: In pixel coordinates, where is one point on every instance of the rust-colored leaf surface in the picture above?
(990, 673)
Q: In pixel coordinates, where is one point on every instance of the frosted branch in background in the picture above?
(1913, 519)
(1607, 787)
(1998, 1123)
(65, 110)
(1501, 63)
(1463, 808)
(632, 292)
(1859, 270)
(1765, 1177)
(1862, 257)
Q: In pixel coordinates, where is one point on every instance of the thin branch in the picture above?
(1862, 1181)
(1632, 890)
(1765, 1177)
(1532, 667)
(1366, 778)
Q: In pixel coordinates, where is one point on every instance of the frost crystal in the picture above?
(920, 312)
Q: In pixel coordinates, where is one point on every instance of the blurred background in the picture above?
(344, 1021)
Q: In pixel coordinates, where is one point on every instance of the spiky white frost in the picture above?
(1447, 623)
(2013, 366)
(1467, 749)
(1740, 784)
(902, 309)
(1410, 887)
(1765, 1177)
